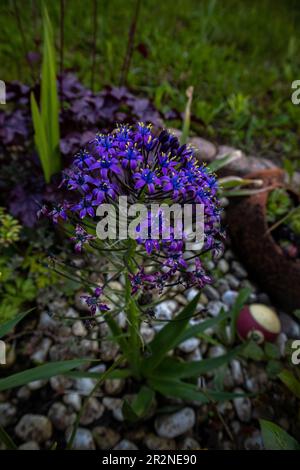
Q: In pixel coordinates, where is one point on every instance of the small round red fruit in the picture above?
(259, 322)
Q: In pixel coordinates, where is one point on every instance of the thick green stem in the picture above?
(132, 312)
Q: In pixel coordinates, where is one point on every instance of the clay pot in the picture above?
(248, 227)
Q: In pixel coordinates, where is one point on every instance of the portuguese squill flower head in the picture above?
(150, 169)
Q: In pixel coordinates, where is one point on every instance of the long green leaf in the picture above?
(49, 95)
(167, 337)
(200, 327)
(171, 367)
(114, 374)
(7, 440)
(9, 325)
(40, 138)
(275, 438)
(140, 405)
(187, 391)
(223, 161)
(40, 372)
(292, 383)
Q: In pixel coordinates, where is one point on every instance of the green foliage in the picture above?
(46, 120)
(294, 222)
(9, 229)
(9, 325)
(278, 205)
(21, 279)
(240, 60)
(275, 438)
(42, 372)
(291, 381)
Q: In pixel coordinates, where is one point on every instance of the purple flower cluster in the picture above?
(148, 168)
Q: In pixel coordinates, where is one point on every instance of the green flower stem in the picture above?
(133, 314)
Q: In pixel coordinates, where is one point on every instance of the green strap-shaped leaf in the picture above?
(40, 372)
(171, 367)
(201, 327)
(187, 391)
(6, 327)
(49, 95)
(40, 138)
(275, 438)
(167, 337)
(114, 374)
(7, 440)
(140, 405)
(223, 161)
(292, 383)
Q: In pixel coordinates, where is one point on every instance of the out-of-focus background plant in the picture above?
(219, 75)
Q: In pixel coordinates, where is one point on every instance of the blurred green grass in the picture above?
(240, 56)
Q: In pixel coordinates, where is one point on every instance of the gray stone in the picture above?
(175, 424)
(83, 439)
(165, 310)
(80, 303)
(115, 406)
(205, 151)
(189, 345)
(47, 322)
(40, 355)
(7, 414)
(289, 326)
(254, 442)
(73, 399)
(114, 386)
(223, 266)
(37, 384)
(78, 329)
(222, 285)
(242, 407)
(281, 342)
(108, 350)
(32, 427)
(237, 372)
(229, 297)
(105, 438)
(154, 442)
(239, 270)
(125, 445)
(216, 351)
(30, 445)
(147, 333)
(60, 417)
(211, 293)
(232, 281)
(214, 307)
(93, 411)
(191, 294)
(189, 443)
(85, 385)
(60, 383)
